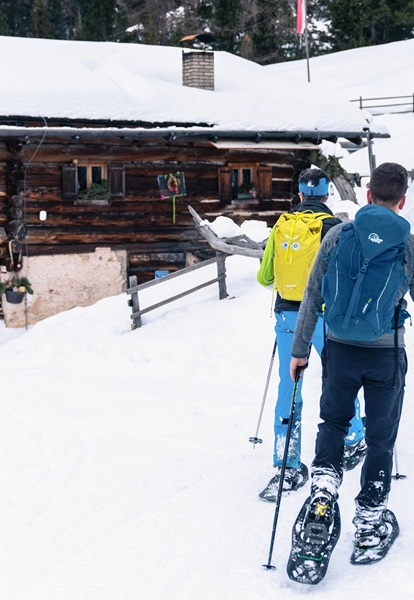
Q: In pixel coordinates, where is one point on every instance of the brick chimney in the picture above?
(198, 69)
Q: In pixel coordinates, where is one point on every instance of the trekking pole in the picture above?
(256, 440)
(397, 473)
(283, 467)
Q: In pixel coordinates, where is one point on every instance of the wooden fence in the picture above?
(408, 102)
(134, 288)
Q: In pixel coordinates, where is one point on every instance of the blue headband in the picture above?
(308, 189)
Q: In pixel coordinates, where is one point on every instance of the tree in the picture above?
(226, 24)
(100, 20)
(58, 19)
(269, 25)
(3, 22)
(17, 16)
(40, 23)
(356, 23)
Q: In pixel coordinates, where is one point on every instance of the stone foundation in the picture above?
(62, 282)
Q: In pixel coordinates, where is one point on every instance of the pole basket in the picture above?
(255, 440)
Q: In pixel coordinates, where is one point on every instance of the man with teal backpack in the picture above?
(359, 279)
(287, 261)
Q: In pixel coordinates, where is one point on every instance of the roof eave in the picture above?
(111, 129)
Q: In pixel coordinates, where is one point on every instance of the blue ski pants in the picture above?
(285, 328)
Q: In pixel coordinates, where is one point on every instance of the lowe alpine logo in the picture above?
(374, 237)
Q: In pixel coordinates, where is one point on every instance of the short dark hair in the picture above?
(388, 183)
(313, 176)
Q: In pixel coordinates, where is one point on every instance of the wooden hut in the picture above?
(81, 207)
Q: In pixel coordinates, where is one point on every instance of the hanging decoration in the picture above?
(171, 186)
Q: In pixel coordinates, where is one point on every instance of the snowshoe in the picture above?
(353, 455)
(314, 536)
(372, 544)
(292, 481)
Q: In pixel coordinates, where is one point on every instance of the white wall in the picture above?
(61, 282)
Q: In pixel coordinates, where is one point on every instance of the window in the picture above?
(92, 181)
(243, 182)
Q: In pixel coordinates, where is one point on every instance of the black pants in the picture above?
(346, 369)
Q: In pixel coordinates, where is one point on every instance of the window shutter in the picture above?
(225, 191)
(70, 182)
(265, 191)
(116, 180)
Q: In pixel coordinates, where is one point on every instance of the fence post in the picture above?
(134, 303)
(413, 102)
(372, 161)
(360, 102)
(221, 274)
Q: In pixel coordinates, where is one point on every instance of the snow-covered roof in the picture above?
(99, 81)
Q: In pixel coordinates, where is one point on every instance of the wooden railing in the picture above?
(134, 288)
(410, 102)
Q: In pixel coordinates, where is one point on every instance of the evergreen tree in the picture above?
(270, 30)
(71, 11)
(100, 20)
(146, 20)
(226, 24)
(58, 19)
(191, 17)
(40, 24)
(4, 30)
(357, 23)
(17, 16)
(319, 20)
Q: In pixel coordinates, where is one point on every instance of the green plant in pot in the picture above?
(15, 289)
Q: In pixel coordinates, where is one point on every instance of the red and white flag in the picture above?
(301, 17)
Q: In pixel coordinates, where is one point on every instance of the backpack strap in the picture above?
(396, 312)
(325, 347)
(355, 294)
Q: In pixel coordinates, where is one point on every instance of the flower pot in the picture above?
(14, 297)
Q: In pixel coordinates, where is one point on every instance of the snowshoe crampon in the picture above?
(373, 545)
(314, 536)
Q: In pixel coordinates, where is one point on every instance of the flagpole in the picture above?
(307, 41)
(302, 28)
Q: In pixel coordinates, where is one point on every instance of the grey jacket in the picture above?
(307, 317)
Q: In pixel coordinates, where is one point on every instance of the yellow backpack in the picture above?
(296, 237)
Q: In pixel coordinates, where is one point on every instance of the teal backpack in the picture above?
(364, 275)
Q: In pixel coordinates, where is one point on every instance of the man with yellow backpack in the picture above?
(287, 261)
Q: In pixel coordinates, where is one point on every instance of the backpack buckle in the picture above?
(364, 266)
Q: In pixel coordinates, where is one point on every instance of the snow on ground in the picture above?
(126, 467)
(370, 72)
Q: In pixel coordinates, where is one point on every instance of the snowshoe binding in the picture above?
(292, 481)
(314, 536)
(353, 455)
(371, 544)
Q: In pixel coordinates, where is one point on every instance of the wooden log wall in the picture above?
(140, 222)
